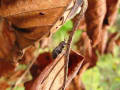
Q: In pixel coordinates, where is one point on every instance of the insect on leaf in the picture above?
(51, 77)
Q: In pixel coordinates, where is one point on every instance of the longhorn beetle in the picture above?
(58, 49)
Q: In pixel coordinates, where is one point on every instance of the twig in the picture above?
(25, 73)
(76, 24)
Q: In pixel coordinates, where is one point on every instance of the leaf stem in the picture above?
(76, 24)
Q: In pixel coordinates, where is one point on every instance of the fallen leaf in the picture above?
(85, 48)
(28, 55)
(35, 19)
(103, 43)
(42, 61)
(94, 19)
(112, 42)
(6, 68)
(76, 84)
(112, 9)
(4, 85)
(118, 41)
(52, 75)
(7, 40)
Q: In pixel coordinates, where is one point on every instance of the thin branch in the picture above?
(76, 24)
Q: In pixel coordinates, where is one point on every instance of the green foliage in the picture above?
(113, 29)
(62, 34)
(17, 88)
(119, 10)
(105, 75)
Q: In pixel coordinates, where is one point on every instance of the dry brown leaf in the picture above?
(118, 41)
(28, 55)
(52, 75)
(76, 84)
(103, 43)
(101, 14)
(112, 9)
(112, 42)
(42, 61)
(8, 48)
(7, 40)
(34, 19)
(6, 68)
(4, 85)
(99, 24)
(111, 46)
(94, 19)
(85, 47)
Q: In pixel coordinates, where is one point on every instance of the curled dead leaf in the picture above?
(35, 19)
(94, 19)
(7, 40)
(76, 84)
(28, 55)
(112, 42)
(84, 46)
(118, 41)
(52, 76)
(112, 9)
(103, 43)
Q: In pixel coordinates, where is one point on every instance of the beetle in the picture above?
(56, 51)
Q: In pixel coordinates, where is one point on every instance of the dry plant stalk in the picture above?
(76, 25)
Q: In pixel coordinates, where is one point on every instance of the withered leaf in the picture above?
(103, 43)
(118, 41)
(76, 84)
(9, 50)
(94, 19)
(4, 85)
(101, 14)
(85, 47)
(6, 68)
(52, 76)
(42, 61)
(84, 44)
(36, 16)
(28, 55)
(7, 40)
(112, 9)
(111, 46)
(112, 42)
